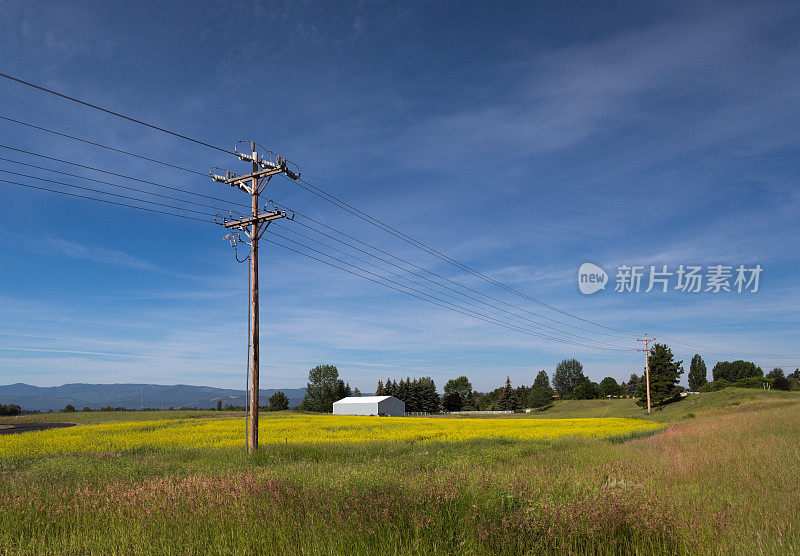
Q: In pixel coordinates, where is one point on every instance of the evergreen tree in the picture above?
(664, 376)
(633, 384)
(505, 401)
(542, 380)
(452, 402)
(697, 372)
(379, 389)
(540, 395)
(777, 372)
(430, 398)
(278, 401)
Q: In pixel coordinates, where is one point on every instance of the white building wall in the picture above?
(369, 405)
(368, 408)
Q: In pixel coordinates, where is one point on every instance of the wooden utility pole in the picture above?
(646, 351)
(253, 184)
(252, 430)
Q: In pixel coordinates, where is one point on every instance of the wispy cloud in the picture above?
(72, 249)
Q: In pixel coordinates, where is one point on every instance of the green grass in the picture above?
(722, 482)
(696, 404)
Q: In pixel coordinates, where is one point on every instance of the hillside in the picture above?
(692, 406)
(130, 396)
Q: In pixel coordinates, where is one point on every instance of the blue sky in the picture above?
(522, 140)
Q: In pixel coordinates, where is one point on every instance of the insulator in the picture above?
(245, 157)
(291, 174)
(266, 164)
(217, 177)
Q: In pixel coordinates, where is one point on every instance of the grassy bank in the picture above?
(724, 481)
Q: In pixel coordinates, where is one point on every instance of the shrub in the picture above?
(781, 383)
(736, 370)
(752, 382)
(586, 390)
(10, 410)
(715, 385)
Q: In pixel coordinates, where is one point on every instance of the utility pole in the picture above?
(254, 227)
(646, 351)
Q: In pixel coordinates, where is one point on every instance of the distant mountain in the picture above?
(132, 396)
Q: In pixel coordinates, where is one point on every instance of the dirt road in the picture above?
(30, 427)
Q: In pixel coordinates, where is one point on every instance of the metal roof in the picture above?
(364, 399)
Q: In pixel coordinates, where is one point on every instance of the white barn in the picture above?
(370, 405)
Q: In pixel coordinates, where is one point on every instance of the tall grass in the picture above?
(724, 482)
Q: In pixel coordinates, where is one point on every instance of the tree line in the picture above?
(325, 386)
(419, 395)
(741, 374)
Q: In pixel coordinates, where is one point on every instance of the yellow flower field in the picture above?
(166, 435)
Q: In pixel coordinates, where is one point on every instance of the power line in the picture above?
(491, 321)
(674, 341)
(471, 312)
(437, 301)
(104, 201)
(430, 250)
(107, 193)
(101, 145)
(94, 169)
(402, 277)
(422, 269)
(315, 190)
(323, 194)
(458, 309)
(107, 111)
(112, 184)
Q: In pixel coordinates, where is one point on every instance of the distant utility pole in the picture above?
(646, 351)
(253, 184)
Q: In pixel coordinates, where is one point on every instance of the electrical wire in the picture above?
(444, 304)
(422, 269)
(504, 325)
(107, 111)
(100, 145)
(94, 169)
(447, 304)
(316, 191)
(402, 277)
(104, 201)
(247, 365)
(115, 185)
(319, 192)
(107, 193)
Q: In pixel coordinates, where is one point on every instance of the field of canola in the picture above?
(301, 429)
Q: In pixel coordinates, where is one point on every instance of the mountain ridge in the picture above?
(131, 396)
